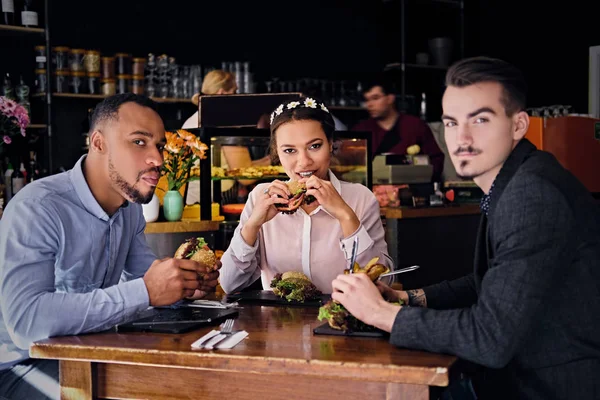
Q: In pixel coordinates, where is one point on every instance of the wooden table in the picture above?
(281, 359)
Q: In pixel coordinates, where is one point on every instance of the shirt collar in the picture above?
(484, 205)
(84, 193)
(518, 156)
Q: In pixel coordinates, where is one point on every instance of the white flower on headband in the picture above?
(272, 116)
(310, 103)
(293, 104)
(279, 109)
(324, 108)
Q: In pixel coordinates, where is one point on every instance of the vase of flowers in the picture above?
(13, 121)
(182, 150)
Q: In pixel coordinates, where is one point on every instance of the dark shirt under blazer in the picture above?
(530, 312)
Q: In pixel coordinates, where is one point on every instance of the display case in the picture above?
(351, 162)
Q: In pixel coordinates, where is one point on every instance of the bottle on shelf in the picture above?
(7, 88)
(437, 198)
(8, 12)
(22, 92)
(34, 169)
(423, 110)
(8, 182)
(29, 16)
(18, 179)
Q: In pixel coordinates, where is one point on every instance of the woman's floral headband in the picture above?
(307, 103)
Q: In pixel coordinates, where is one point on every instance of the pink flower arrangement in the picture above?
(13, 120)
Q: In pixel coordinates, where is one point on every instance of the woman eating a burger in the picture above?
(307, 224)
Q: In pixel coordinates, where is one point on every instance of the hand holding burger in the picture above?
(196, 249)
(329, 198)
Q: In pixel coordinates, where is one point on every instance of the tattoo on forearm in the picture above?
(417, 298)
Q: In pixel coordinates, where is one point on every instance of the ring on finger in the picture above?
(266, 191)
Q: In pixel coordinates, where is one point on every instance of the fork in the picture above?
(353, 256)
(226, 330)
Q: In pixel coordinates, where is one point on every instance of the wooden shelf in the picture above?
(37, 126)
(101, 96)
(20, 29)
(347, 108)
(394, 66)
(455, 3)
(171, 100)
(182, 226)
(428, 212)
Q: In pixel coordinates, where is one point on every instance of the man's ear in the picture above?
(98, 142)
(520, 125)
(391, 98)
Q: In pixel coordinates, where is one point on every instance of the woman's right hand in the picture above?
(264, 205)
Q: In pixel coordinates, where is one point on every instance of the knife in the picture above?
(353, 257)
(399, 271)
(191, 321)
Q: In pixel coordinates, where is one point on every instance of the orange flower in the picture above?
(185, 135)
(181, 152)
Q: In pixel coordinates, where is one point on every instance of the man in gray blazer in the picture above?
(529, 314)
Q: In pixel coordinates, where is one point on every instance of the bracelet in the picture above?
(410, 297)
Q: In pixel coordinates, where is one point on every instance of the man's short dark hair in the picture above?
(382, 80)
(474, 70)
(109, 108)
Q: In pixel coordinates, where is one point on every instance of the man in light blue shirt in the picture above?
(73, 256)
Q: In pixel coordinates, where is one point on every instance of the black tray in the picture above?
(325, 329)
(176, 320)
(267, 297)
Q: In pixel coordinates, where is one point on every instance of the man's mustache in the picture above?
(153, 169)
(469, 149)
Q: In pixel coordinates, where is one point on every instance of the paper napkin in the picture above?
(215, 336)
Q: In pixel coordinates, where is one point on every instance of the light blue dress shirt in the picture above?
(67, 267)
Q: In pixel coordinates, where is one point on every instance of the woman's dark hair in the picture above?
(302, 109)
(474, 70)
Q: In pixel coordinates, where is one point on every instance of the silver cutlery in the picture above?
(400, 271)
(226, 330)
(353, 257)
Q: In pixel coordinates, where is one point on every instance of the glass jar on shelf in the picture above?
(92, 61)
(123, 63)
(108, 67)
(93, 83)
(139, 65)
(137, 84)
(60, 58)
(61, 81)
(76, 82)
(41, 85)
(76, 60)
(123, 83)
(40, 57)
(109, 86)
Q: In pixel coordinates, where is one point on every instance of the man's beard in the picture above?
(465, 163)
(129, 191)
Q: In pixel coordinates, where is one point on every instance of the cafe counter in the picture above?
(441, 240)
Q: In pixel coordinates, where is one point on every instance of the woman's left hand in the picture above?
(329, 198)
